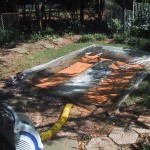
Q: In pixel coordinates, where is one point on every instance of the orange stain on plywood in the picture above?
(63, 75)
(109, 87)
(104, 91)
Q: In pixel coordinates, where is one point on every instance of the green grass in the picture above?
(26, 61)
(140, 98)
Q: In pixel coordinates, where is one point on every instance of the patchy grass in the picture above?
(26, 61)
(140, 98)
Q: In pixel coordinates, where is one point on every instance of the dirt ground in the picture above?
(45, 109)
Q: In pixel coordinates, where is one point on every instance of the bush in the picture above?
(139, 43)
(35, 36)
(48, 31)
(139, 32)
(116, 25)
(144, 44)
(74, 26)
(91, 38)
(7, 36)
(120, 38)
(99, 37)
(86, 38)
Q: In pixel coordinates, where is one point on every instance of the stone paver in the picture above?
(145, 120)
(61, 144)
(103, 143)
(141, 131)
(58, 41)
(123, 136)
(20, 50)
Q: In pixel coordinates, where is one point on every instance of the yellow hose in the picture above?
(46, 135)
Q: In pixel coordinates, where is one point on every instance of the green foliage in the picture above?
(145, 147)
(43, 34)
(74, 26)
(91, 38)
(110, 3)
(99, 37)
(48, 31)
(140, 26)
(139, 43)
(120, 38)
(116, 25)
(35, 37)
(39, 57)
(139, 32)
(7, 36)
(86, 38)
(133, 41)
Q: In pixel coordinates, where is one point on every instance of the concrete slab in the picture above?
(123, 137)
(61, 144)
(145, 120)
(103, 143)
(141, 131)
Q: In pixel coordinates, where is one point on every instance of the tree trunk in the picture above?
(82, 5)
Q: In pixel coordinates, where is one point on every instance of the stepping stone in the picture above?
(144, 120)
(58, 41)
(103, 143)
(141, 131)
(63, 75)
(122, 136)
(61, 144)
(20, 50)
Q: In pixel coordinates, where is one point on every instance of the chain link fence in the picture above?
(9, 20)
(127, 17)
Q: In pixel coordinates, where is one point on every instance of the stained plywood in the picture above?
(63, 75)
(106, 90)
(109, 87)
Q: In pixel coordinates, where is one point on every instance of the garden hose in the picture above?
(46, 135)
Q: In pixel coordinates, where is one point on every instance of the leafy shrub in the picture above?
(48, 31)
(120, 38)
(35, 36)
(140, 26)
(145, 44)
(139, 43)
(7, 36)
(91, 38)
(99, 37)
(86, 38)
(116, 25)
(74, 26)
(139, 32)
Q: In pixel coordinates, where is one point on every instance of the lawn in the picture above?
(21, 63)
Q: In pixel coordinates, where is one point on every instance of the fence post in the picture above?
(133, 9)
(124, 20)
(2, 22)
